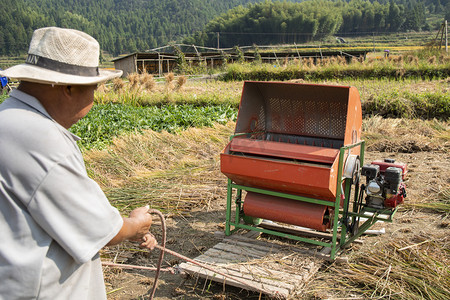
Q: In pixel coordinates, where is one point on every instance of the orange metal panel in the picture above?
(354, 119)
(287, 211)
(310, 180)
(285, 150)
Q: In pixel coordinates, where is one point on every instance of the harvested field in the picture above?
(179, 174)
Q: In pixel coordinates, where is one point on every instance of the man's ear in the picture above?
(67, 90)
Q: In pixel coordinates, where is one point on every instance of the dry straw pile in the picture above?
(391, 269)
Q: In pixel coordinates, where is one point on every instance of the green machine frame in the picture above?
(342, 219)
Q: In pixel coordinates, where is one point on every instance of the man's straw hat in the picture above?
(63, 57)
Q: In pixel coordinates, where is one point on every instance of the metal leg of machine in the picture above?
(311, 212)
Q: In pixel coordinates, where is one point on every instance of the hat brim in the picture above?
(27, 72)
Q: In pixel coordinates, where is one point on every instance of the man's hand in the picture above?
(149, 241)
(142, 220)
(135, 227)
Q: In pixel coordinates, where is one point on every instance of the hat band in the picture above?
(61, 67)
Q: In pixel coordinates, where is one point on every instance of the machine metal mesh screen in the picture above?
(306, 117)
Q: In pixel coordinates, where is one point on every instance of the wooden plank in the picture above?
(288, 248)
(215, 257)
(257, 267)
(245, 238)
(246, 251)
(252, 234)
(213, 260)
(274, 248)
(258, 245)
(256, 273)
(264, 272)
(263, 266)
(220, 246)
(250, 284)
(231, 257)
(325, 250)
(270, 274)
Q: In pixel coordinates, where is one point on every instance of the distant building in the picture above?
(155, 62)
(160, 63)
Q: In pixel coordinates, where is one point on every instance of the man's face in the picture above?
(82, 99)
(66, 104)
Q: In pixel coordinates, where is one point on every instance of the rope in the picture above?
(162, 249)
(125, 266)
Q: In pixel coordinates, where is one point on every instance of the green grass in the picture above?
(299, 70)
(407, 104)
(3, 96)
(439, 203)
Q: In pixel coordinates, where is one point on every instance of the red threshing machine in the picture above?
(297, 153)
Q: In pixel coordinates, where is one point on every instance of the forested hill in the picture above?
(119, 25)
(287, 22)
(123, 26)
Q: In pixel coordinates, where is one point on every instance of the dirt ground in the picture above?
(192, 234)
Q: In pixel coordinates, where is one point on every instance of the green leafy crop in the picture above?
(106, 121)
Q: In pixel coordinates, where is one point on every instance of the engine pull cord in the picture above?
(161, 248)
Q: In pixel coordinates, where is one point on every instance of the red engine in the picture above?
(384, 183)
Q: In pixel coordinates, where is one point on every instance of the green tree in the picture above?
(447, 12)
(415, 17)
(395, 18)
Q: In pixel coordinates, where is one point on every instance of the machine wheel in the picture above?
(352, 168)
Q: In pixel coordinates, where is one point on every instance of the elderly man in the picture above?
(54, 219)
